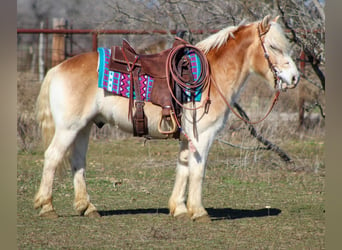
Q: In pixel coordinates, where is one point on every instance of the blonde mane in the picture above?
(275, 38)
(218, 39)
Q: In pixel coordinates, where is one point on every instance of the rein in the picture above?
(239, 116)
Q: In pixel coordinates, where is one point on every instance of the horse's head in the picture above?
(274, 61)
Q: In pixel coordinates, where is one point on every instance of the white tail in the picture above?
(43, 111)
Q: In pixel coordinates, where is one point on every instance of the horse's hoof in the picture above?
(93, 214)
(182, 217)
(49, 214)
(202, 219)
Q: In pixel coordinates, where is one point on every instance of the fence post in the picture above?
(58, 42)
(41, 54)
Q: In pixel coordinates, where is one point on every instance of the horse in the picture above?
(70, 102)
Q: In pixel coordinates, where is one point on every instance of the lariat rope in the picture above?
(200, 84)
(172, 73)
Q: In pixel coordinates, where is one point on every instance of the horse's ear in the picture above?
(276, 19)
(265, 24)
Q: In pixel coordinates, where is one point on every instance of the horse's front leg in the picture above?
(177, 200)
(197, 165)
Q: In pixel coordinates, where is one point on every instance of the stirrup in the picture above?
(173, 128)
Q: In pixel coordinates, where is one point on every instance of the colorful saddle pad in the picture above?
(119, 83)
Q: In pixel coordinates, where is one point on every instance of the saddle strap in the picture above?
(140, 127)
(130, 68)
(139, 119)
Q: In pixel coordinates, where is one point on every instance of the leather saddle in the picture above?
(126, 60)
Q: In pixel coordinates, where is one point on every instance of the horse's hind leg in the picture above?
(177, 200)
(53, 158)
(82, 203)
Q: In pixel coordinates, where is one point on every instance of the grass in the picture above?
(255, 201)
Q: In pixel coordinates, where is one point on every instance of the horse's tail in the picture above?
(46, 122)
(43, 111)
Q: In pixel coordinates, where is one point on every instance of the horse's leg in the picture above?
(177, 200)
(53, 157)
(197, 165)
(82, 202)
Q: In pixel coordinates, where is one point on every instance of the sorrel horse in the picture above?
(70, 102)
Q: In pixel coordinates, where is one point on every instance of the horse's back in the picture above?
(85, 64)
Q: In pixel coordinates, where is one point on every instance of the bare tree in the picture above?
(306, 22)
(186, 14)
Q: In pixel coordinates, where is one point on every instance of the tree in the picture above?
(306, 23)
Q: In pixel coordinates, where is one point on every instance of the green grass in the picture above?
(255, 201)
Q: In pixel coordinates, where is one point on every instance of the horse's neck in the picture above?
(230, 65)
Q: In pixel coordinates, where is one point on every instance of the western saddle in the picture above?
(126, 60)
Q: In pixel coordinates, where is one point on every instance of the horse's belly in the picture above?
(114, 110)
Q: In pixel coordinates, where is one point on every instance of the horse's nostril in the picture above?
(295, 79)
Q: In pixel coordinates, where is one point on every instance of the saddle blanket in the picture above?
(119, 83)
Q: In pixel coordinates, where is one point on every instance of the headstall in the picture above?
(277, 80)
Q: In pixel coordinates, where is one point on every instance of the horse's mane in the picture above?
(274, 37)
(218, 39)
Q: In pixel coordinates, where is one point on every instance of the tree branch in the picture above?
(319, 9)
(269, 145)
(242, 147)
(316, 104)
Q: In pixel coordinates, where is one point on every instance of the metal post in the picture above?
(95, 41)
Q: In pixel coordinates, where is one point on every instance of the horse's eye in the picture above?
(275, 49)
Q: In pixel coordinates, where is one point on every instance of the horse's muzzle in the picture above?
(284, 84)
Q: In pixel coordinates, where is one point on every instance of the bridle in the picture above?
(273, 69)
(277, 82)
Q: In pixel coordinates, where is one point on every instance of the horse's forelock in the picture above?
(275, 37)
